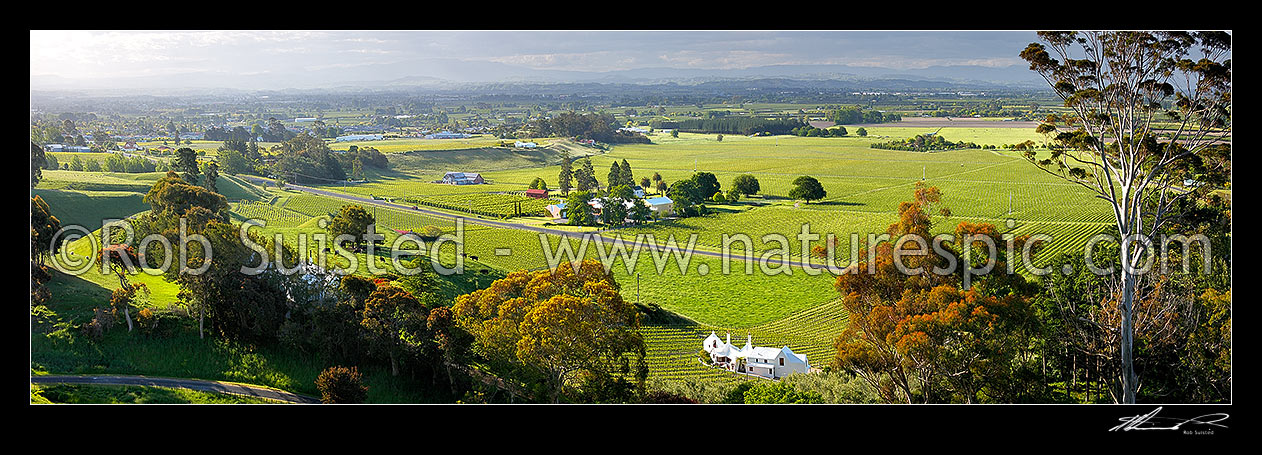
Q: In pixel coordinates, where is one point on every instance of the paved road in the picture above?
(180, 383)
(735, 256)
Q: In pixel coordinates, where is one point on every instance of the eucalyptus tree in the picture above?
(1147, 113)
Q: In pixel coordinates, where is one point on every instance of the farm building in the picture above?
(304, 119)
(766, 362)
(662, 205)
(537, 194)
(525, 145)
(463, 178)
(130, 146)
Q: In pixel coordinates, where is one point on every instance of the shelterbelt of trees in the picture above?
(597, 127)
(300, 159)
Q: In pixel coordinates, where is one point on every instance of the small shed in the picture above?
(537, 194)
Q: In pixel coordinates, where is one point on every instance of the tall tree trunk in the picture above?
(1127, 307)
(394, 365)
(201, 322)
(127, 315)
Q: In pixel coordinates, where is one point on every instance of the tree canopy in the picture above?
(569, 328)
(808, 189)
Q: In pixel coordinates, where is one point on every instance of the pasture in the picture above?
(796, 309)
(864, 187)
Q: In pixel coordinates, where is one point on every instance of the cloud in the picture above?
(88, 54)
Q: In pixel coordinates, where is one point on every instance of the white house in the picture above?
(759, 361)
(525, 145)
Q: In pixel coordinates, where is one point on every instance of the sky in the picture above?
(243, 57)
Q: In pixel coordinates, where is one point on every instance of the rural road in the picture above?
(779, 261)
(180, 383)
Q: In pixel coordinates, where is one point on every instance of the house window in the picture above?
(782, 361)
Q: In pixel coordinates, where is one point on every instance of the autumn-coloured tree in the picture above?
(341, 385)
(1140, 106)
(569, 328)
(914, 335)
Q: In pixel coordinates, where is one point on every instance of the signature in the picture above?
(1150, 421)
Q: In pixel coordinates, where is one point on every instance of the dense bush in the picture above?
(341, 385)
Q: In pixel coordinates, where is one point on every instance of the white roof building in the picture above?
(767, 362)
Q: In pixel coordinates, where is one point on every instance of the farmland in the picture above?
(694, 297)
(795, 309)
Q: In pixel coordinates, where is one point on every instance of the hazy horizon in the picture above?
(273, 60)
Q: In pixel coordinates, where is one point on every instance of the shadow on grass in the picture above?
(59, 345)
(98, 394)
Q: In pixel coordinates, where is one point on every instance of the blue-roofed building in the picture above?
(661, 205)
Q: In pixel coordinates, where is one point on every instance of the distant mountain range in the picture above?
(442, 74)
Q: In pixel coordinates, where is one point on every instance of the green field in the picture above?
(795, 309)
